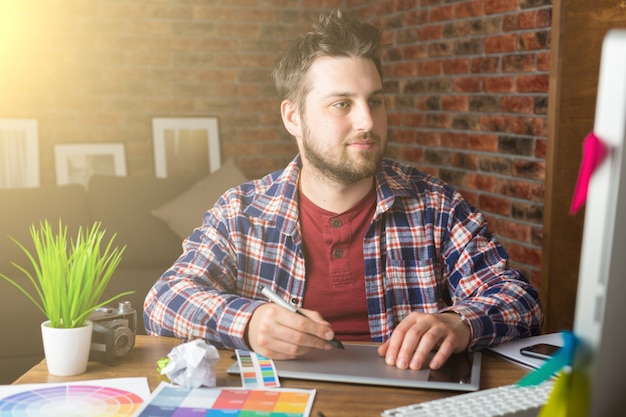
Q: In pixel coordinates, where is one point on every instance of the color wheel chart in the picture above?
(175, 401)
(82, 399)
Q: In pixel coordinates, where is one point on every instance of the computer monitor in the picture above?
(600, 315)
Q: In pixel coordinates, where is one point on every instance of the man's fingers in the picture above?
(443, 353)
(412, 343)
(277, 333)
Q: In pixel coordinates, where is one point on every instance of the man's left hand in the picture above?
(419, 334)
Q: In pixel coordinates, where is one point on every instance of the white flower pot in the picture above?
(66, 350)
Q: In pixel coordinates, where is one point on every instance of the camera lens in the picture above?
(123, 340)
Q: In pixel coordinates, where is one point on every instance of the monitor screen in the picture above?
(600, 315)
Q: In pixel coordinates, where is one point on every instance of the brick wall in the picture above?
(466, 80)
(467, 84)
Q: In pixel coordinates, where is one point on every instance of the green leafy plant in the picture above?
(69, 276)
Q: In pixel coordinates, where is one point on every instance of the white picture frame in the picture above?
(181, 143)
(76, 163)
(19, 153)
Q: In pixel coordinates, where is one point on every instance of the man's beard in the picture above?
(351, 167)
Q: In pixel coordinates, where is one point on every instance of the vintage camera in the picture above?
(114, 332)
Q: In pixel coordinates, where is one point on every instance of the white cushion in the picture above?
(184, 213)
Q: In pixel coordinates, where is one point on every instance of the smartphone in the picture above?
(539, 351)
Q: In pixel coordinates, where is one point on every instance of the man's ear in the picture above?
(291, 117)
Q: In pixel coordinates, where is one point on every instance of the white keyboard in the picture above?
(505, 401)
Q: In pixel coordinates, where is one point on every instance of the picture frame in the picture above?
(76, 163)
(185, 147)
(19, 153)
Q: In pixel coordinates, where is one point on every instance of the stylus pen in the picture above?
(275, 298)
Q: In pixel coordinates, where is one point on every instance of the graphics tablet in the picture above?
(361, 364)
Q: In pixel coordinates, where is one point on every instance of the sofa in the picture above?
(150, 216)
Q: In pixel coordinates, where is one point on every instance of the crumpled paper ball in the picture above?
(192, 364)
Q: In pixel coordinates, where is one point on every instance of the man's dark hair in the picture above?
(336, 35)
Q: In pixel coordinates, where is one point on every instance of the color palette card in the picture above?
(115, 397)
(256, 370)
(175, 401)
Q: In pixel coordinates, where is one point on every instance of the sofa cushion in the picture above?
(25, 206)
(124, 206)
(184, 212)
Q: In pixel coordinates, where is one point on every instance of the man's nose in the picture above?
(362, 118)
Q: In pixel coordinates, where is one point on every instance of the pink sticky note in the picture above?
(594, 152)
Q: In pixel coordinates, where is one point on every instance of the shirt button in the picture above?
(336, 223)
(338, 253)
(294, 301)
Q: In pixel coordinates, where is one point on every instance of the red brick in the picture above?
(441, 49)
(441, 13)
(469, 9)
(497, 123)
(276, 148)
(517, 104)
(525, 254)
(519, 63)
(412, 119)
(456, 29)
(526, 190)
(239, 148)
(425, 103)
(543, 61)
(428, 138)
(412, 52)
(527, 20)
(408, 69)
(530, 126)
(411, 154)
(403, 5)
(483, 183)
(428, 68)
(486, 143)
(455, 66)
(504, 84)
(502, 43)
(500, 6)
(489, 64)
(454, 140)
(394, 118)
(467, 84)
(403, 135)
(513, 230)
(540, 148)
(416, 17)
(533, 83)
(432, 32)
(494, 204)
(437, 121)
(544, 18)
(454, 103)
(535, 40)
(529, 169)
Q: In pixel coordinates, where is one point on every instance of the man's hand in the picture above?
(277, 333)
(419, 334)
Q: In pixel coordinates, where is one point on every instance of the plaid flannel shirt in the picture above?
(426, 250)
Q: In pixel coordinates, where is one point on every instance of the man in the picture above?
(366, 248)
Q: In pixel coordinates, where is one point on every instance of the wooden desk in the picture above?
(333, 399)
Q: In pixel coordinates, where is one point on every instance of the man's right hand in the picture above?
(277, 333)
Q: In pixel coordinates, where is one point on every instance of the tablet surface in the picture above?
(360, 364)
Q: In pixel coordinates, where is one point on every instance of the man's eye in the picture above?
(375, 102)
(342, 105)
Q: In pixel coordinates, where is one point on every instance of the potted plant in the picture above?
(69, 277)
